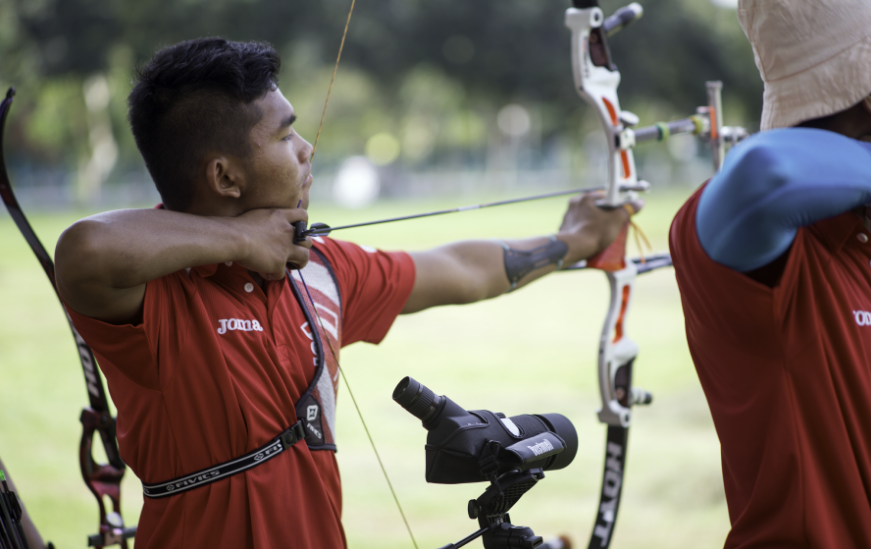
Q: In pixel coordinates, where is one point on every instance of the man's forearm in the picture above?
(465, 272)
(104, 261)
(520, 263)
(475, 270)
(495, 267)
(127, 248)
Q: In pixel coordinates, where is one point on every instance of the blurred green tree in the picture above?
(431, 73)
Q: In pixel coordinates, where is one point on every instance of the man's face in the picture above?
(280, 168)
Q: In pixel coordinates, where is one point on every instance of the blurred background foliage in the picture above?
(424, 86)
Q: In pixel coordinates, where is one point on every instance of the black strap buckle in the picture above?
(292, 435)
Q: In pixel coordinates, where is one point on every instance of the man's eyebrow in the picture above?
(287, 121)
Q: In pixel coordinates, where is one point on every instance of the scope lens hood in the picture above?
(561, 425)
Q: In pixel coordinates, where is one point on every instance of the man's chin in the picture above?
(306, 187)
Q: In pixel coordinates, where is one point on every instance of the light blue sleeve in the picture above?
(774, 183)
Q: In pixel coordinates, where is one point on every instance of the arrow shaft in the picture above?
(327, 230)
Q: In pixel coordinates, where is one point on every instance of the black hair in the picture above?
(195, 98)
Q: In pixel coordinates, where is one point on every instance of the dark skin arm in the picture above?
(104, 261)
(470, 271)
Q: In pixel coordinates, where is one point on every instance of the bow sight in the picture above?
(472, 446)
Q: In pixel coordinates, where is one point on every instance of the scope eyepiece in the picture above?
(416, 398)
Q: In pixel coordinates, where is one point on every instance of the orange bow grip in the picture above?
(612, 258)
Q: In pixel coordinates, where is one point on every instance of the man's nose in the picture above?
(305, 152)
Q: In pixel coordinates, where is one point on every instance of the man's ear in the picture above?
(225, 177)
(867, 104)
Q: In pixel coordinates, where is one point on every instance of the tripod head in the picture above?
(491, 509)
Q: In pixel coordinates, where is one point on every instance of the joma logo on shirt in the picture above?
(863, 318)
(238, 324)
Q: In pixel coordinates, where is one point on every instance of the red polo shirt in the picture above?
(787, 375)
(190, 397)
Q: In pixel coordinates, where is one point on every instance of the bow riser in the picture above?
(596, 80)
(617, 350)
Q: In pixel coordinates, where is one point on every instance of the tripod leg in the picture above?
(465, 540)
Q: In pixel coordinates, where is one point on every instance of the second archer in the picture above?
(221, 361)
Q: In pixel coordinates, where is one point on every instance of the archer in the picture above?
(222, 362)
(772, 260)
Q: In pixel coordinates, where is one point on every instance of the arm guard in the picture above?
(773, 184)
(520, 263)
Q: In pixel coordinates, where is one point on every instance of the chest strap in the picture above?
(217, 472)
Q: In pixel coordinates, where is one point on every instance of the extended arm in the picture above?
(773, 184)
(469, 271)
(104, 261)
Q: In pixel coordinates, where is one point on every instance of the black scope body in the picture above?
(457, 438)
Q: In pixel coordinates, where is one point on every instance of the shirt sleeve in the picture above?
(131, 350)
(374, 286)
(774, 183)
(123, 347)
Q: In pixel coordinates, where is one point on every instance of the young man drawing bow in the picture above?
(211, 351)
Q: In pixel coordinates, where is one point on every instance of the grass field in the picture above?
(529, 352)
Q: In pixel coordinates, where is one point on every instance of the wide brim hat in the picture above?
(814, 56)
